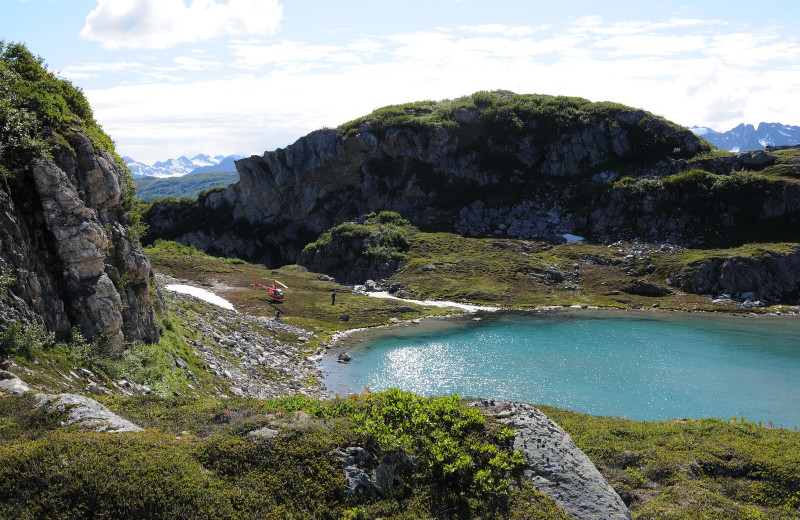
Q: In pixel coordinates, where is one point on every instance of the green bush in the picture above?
(19, 135)
(450, 439)
(393, 237)
(22, 341)
(391, 217)
(9, 338)
(7, 279)
(344, 231)
(693, 180)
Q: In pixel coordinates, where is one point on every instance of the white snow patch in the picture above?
(572, 238)
(436, 303)
(202, 294)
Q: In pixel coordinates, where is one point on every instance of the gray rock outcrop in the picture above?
(86, 412)
(10, 384)
(768, 277)
(346, 261)
(287, 197)
(557, 467)
(66, 242)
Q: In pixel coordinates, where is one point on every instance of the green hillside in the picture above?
(152, 188)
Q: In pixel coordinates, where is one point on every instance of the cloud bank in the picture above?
(160, 24)
(254, 94)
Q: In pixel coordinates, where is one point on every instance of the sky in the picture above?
(167, 78)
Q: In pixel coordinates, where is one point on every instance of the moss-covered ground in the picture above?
(196, 460)
(307, 300)
(518, 273)
(694, 469)
(787, 166)
(446, 266)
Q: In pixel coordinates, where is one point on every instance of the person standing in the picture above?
(333, 297)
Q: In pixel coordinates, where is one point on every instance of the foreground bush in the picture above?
(196, 460)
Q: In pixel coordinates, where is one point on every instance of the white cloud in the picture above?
(594, 25)
(651, 45)
(492, 28)
(194, 64)
(159, 24)
(289, 54)
(691, 73)
(747, 49)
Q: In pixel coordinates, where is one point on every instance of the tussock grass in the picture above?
(690, 469)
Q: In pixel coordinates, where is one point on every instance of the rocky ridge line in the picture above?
(287, 197)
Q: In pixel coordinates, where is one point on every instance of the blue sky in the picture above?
(180, 77)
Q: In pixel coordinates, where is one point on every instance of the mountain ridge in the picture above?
(748, 137)
(182, 166)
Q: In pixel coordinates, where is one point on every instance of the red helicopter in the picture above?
(273, 292)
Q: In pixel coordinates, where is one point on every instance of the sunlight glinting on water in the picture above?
(643, 368)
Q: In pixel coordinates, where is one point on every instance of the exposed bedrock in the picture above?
(555, 465)
(768, 277)
(66, 249)
(286, 197)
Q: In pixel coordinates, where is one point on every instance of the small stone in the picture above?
(267, 433)
(85, 373)
(344, 356)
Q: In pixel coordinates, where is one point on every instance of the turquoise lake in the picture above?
(640, 365)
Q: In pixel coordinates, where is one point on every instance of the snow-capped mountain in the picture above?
(183, 166)
(748, 137)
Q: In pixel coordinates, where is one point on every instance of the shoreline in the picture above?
(495, 310)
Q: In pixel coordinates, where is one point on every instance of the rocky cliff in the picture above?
(769, 276)
(65, 245)
(69, 254)
(427, 161)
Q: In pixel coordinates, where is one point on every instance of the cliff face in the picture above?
(66, 249)
(427, 172)
(69, 254)
(769, 277)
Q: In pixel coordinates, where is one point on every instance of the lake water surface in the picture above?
(645, 366)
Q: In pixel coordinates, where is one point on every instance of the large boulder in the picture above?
(86, 412)
(555, 465)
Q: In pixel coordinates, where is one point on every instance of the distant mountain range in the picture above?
(181, 166)
(748, 137)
